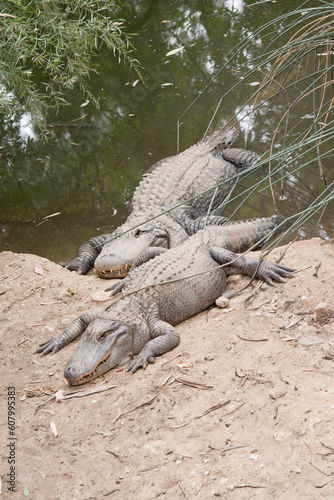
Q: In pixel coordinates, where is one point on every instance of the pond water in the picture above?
(88, 170)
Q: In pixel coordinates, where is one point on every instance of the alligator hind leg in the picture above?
(264, 270)
(241, 158)
(193, 226)
(87, 253)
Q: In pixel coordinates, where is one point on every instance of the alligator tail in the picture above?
(251, 233)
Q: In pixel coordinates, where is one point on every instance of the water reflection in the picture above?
(95, 158)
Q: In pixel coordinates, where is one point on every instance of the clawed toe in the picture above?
(46, 348)
(140, 362)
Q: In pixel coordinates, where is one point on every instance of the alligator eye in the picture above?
(102, 335)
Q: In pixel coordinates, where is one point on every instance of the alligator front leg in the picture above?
(147, 255)
(87, 254)
(264, 270)
(165, 339)
(73, 331)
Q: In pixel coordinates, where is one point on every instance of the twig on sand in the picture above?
(209, 410)
(172, 359)
(147, 403)
(196, 385)
(247, 486)
(77, 394)
(251, 340)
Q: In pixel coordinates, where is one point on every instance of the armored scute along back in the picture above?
(161, 293)
(189, 177)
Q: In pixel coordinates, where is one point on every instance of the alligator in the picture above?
(190, 177)
(161, 293)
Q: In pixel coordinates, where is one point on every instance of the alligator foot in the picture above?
(141, 361)
(116, 287)
(87, 254)
(271, 271)
(50, 346)
(75, 265)
(264, 270)
(73, 331)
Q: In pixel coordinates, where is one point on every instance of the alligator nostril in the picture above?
(70, 373)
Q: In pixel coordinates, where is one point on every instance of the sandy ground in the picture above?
(243, 408)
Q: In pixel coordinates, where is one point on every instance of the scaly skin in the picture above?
(160, 294)
(168, 183)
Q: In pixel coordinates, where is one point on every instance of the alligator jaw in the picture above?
(105, 344)
(87, 377)
(117, 256)
(122, 272)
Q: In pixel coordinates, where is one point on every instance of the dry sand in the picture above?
(243, 408)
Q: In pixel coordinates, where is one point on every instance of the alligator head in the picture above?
(106, 343)
(118, 255)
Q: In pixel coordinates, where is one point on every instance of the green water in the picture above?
(88, 170)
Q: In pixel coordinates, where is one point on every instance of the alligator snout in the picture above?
(72, 375)
(110, 265)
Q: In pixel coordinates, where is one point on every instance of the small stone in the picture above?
(311, 340)
(319, 387)
(278, 393)
(322, 310)
(48, 329)
(222, 302)
(282, 436)
(208, 358)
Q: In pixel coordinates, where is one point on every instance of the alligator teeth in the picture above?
(85, 378)
(114, 273)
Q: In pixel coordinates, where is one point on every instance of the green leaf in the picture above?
(41, 473)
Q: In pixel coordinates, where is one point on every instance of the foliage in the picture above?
(296, 69)
(87, 172)
(58, 41)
